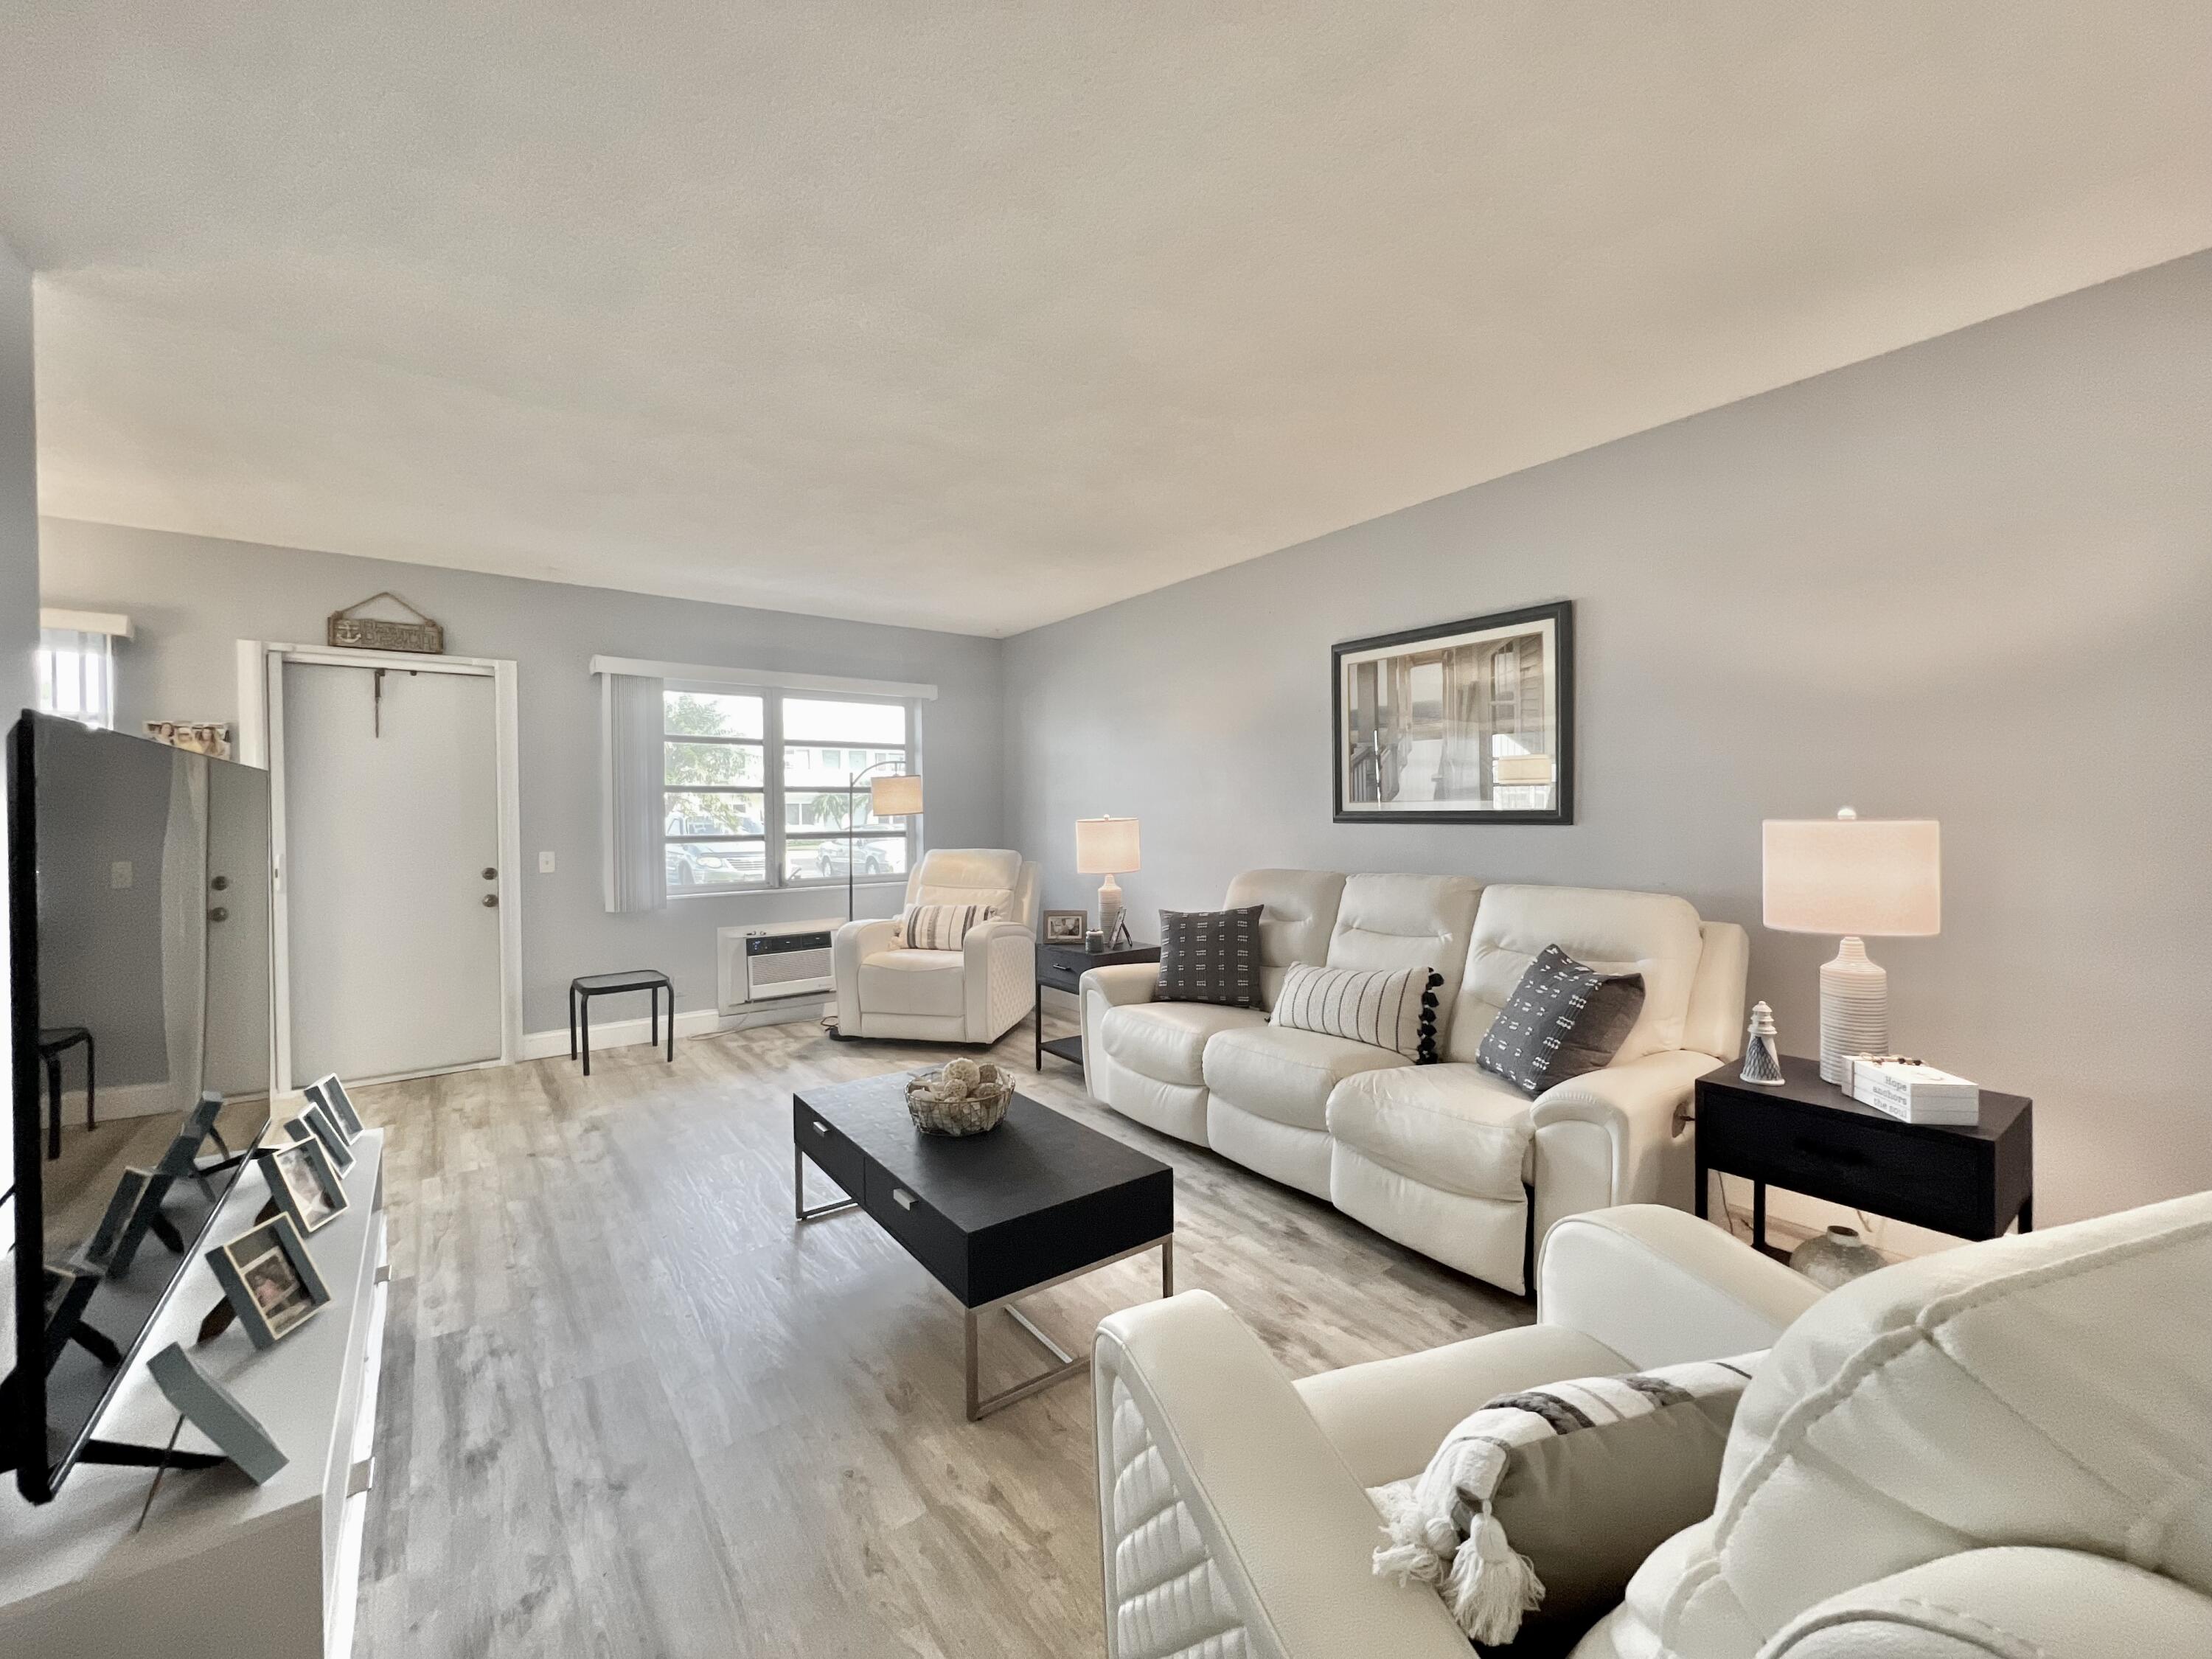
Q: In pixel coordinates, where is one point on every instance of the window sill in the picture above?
(826, 884)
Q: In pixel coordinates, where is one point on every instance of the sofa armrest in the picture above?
(853, 943)
(2054, 1603)
(1639, 1106)
(998, 972)
(1101, 988)
(1659, 1286)
(1224, 1508)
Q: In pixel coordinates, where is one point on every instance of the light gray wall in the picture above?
(19, 563)
(1970, 581)
(192, 599)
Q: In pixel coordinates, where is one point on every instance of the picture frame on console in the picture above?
(1066, 927)
(271, 1280)
(322, 1127)
(330, 1094)
(304, 1183)
(1460, 722)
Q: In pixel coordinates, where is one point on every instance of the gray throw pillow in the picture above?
(1564, 1019)
(1210, 955)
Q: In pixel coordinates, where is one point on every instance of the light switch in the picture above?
(544, 864)
(119, 874)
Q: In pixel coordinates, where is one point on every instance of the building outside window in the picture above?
(756, 788)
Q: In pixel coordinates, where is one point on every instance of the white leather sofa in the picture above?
(1997, 1452)
(974, 995)
(1448, 1158)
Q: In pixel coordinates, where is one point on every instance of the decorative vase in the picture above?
(962, 1097)
(1836, 1257)
(1762, 1048)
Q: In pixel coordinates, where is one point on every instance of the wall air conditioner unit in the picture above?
(770, 962)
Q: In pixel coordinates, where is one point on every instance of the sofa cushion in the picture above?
(1564, 1018)
(966, 875)
(1388, 1008)
(1210, 955)
(1297, 909)
(1454, 1128)
(1285, 1076)
(1408, 921)
(1166, 1041)
(913, 982)
(1654, 934)
(944, 927)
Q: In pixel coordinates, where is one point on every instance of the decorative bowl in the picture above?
(961, 1098)
(1836, 1257)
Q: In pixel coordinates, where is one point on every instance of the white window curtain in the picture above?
(631, 758)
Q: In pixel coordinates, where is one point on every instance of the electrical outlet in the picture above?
(119, 874)
(544, 864)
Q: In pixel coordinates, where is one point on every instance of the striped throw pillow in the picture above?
(941, 927)
(1395, 1009)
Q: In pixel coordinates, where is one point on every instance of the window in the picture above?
(757, 788)
(76, 675)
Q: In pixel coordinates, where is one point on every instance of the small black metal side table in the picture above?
(55, 1041)
(1062, 967)
(651, 981)
(1806, 1135)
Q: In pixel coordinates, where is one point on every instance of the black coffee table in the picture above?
(1037, 1200)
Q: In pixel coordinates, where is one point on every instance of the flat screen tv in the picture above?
(138, 900)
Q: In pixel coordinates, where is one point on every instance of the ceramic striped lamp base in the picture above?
(1854, 1008)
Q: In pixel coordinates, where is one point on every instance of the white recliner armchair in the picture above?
(1997, 1452)
(974, 995)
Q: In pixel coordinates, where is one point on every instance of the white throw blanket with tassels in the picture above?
(1439, 1523)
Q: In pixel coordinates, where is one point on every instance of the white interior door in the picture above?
(391, 877)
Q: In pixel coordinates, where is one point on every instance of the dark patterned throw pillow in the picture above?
(1210, 955)
(1564, 1019)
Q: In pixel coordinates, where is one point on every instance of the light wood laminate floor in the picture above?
(631, 1408)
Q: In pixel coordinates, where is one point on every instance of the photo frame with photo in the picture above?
(215, 1412)
(330, 1094)
(318, 1124)
(304, 1183)
(270, 1280)
(1066, 927)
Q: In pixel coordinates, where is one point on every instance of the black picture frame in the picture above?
(1560, 614)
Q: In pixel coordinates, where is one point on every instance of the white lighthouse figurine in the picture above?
(1762, 1049)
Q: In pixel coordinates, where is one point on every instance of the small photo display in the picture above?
(271, 1280)
(330, 1094)
(317, 1124)
(1066, 927)
(304, 1183)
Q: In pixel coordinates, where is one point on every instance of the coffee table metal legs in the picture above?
(798, 1192)
(1067, 1365)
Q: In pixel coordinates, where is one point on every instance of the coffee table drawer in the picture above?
(825, 1143)
(925, 1235)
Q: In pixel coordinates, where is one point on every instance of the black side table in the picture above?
(1971, 1181)
(1062, 967)
(581, 990)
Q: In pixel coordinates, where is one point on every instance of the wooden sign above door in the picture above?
(387, 633)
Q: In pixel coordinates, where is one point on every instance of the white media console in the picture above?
(222, 1566)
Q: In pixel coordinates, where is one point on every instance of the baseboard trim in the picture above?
(689, 1023)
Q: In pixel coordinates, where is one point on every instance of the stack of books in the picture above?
(1912, 1092)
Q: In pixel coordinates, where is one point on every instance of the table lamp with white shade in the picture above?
(1108, 846)
(1859, 878)
(896, 797)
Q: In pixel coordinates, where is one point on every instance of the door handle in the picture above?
(491, 901)
(218, 914)
(220, 882)
(491, 874)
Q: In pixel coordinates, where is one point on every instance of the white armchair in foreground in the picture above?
(974, 995)
(1990, 1453)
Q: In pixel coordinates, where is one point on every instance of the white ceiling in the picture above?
(979, 315)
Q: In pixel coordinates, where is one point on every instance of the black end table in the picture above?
(1062, 967)
(581, 990)
(1806, 1135)
(992, 1217)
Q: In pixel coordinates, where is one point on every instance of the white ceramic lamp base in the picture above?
(1854, 1008)
(1110, 909)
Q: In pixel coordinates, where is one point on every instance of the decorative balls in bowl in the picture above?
(961, 1098)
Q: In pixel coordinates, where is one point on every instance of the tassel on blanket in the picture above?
(1492, 1584)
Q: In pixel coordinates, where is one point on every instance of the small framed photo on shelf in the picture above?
(304, 1183)
(317, 1124)
(271, 1280)
(330, 1094)
(1066, 927)
(215, 1412)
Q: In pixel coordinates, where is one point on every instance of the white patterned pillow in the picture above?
(941, 926)
(1390, 1009)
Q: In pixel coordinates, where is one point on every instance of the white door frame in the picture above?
(261, 743)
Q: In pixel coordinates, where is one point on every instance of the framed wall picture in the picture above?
(1066, 927)
(331, 1095)
(271, 1280)
(304, 1183)
(1463, 722)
